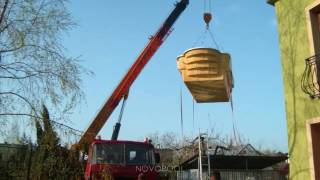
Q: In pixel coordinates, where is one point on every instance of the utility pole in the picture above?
(208, 154)
(200, 158)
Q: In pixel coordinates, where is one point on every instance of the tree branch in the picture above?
(19, 114)
(33, 70)
(21, 97)
(42, 4)
(37, 117)
(18, 77)
(6, 69)
(35, 65)
(3, 11)
(13, 49)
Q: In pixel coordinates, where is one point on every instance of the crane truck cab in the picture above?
(110, 159)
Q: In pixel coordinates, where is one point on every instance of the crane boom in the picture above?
(123, 87)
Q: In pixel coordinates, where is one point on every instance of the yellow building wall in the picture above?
(294, 47)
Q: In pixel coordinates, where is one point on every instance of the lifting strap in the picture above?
(193, 116)
(234, 124)
(181, 111)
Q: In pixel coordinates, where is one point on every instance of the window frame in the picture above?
(309, 125)
(311, 27)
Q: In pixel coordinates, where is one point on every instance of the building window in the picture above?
(311, 75)
(314, 147)
(314, 19)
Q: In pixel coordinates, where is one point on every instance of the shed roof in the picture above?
(235, 161)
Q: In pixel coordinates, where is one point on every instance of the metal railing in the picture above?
(310, 82)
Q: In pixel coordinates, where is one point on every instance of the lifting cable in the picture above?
(193, 116)
(207, 17)
(181, 112)
(234, 124)
(207, 8)
(210, 126)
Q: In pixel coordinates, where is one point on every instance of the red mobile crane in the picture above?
(121, 159)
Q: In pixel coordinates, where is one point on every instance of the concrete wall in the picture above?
(294, 45)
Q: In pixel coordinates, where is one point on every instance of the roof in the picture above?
(246, 150)
(272, 2)
(243, 156)
(97, 141)
(235, 161)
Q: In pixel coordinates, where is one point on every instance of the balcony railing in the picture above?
(310, 82)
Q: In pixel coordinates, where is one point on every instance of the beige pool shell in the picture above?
(207, 74)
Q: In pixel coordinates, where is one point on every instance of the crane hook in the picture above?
(207, 18)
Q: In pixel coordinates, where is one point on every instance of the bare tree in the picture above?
(34, 68)
(167, 140)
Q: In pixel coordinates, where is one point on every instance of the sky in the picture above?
(111, 34)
